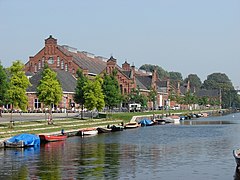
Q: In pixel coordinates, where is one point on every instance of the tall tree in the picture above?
(195, 81)
(111, 90)
(3, 87)
(153, 96)
(79, 93)
(175, 76)
(17, 86)
(221, 82)
(49, 90)
(93, 94)
(162, 74)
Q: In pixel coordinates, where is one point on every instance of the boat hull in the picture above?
(88, 132)
(22, 140)
(52, 138)
(103, 130)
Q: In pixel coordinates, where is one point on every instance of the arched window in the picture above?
(58, 61)
(43, 61)
(39, 64)
(35, 67)
(66, 67)
(62, 64)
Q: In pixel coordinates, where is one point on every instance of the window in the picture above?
(43, 61)
(37, 104)
(39, 64)
(35, 67)
(73, 71)
(62, 64)
(66, 67)
(50, 60)
(58, 61)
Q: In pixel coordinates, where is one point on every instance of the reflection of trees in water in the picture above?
(50, 160)
(98, 161)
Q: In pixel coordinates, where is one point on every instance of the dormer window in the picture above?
(50, 60)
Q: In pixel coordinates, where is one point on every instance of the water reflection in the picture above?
(201, 150)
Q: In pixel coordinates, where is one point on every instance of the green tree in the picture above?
(111, 90)
(221, 82)
(49, 90)
(79, 93)
(189, 98)
(4, 86)
(17, 86)
(195, 81)
(152, 96)
(175, 76)
(162, 74)
(93, 94)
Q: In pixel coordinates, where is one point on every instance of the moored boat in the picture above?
(146, 122)
(88, 132)
(104, 130)
(131, 125)
(117, 128)
(160, 121)
(23, 140)
(51, 138)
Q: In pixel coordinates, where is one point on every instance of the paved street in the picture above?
(32, 116)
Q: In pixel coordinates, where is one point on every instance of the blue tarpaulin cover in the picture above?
(145, 122)
(28, 139)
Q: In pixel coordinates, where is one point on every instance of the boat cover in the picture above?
(145, 122)
(28, 139)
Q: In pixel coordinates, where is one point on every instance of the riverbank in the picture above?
(36, 123)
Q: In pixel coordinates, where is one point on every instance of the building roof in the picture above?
(144, 82)
(208, 93)
(94, 65)
(67, 81)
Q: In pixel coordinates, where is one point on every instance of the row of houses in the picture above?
(65, 60)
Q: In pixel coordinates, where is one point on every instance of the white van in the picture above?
(134, 107)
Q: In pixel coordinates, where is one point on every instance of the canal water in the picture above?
(195, 149)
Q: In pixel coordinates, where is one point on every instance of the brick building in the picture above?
(65, 60)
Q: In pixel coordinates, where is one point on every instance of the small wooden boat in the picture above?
(117, 128)
(236, 155)
(22, 140)
(88, 132)
(131, 125)
(104, 130)
(160, 121)
(51, 138)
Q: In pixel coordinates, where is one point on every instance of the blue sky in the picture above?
(187, 36)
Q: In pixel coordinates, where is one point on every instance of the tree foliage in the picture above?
(79, 93)
(162, 74)
(4, 85)
(49, 90)
(17, 86)
(111, 90)
(175, 76)
(195, 81)
(221, 82)
(93, 94)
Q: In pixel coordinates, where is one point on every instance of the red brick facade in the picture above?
(69, 59)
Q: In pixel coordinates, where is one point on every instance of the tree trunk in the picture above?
(82, 112)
